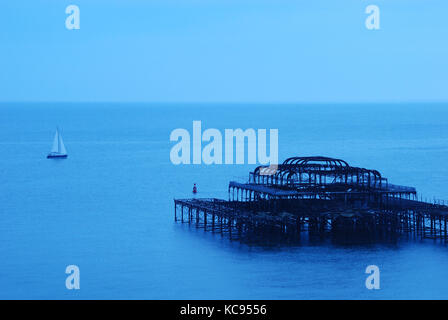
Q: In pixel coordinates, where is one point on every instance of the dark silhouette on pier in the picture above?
(322, 196)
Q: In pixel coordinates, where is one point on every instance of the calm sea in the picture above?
(108, 208)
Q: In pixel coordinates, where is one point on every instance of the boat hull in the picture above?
(57, 156)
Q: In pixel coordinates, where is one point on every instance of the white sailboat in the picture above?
(58, 150)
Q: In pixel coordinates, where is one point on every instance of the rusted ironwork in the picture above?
(317, 194)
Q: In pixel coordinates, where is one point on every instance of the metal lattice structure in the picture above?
(304, 171)
(316, 194)
(320, 177)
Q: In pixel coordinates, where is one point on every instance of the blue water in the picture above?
(108, 208)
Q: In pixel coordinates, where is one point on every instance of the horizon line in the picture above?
(231, 102)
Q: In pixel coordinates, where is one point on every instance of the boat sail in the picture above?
(58, 149)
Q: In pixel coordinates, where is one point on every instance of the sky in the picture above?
(263, 51)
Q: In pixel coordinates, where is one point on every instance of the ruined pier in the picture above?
(320, 196)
